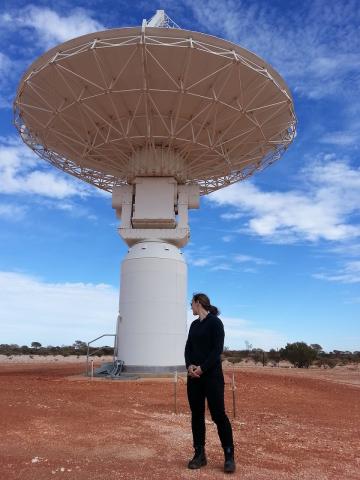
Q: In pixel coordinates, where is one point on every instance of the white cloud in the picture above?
(222, 267)
(342, 138)
(328, 171)
(12, 212)
(232, 216)
(350, 273)
(8, 69)
(251, 259)
(5, 63)
(227, 238)
(51, 27)
(202, 256)
(221, 262)
(322, 208)
(200, 262)
(212, 261)
(347, 249)
(314, 46)
(21, 173)
(59, 313)
(70, 206)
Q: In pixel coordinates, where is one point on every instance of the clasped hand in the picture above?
(194, 371)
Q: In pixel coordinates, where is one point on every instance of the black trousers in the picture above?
(209, 386)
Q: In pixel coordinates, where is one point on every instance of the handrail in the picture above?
(93, 353)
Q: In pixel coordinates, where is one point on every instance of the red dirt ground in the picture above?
(290, 425)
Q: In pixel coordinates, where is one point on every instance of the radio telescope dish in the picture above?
(156, 115)
(90, 105)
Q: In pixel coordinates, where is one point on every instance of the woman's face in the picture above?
(195, 307)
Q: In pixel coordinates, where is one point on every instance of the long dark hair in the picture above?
(204, 301)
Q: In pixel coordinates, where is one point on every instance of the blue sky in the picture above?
(279, 253)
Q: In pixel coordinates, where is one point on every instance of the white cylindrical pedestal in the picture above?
(152, 325)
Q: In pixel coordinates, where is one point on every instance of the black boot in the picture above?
(229, 465)
(199, 459)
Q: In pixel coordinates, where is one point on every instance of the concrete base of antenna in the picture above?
(153, 208)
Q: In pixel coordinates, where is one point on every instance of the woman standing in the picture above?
(203, 349)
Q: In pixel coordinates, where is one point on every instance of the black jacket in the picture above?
(205, 343)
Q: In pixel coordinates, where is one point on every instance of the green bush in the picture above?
(299, 354)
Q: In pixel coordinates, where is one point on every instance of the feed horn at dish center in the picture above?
(158, 116)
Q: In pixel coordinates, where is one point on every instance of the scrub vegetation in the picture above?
(77, 348)
(299, 354)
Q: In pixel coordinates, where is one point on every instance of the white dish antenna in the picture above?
(157, 116)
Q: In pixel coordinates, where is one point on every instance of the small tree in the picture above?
(299, 354)
(80, 345)
(36, 345)
(259, 356)
(318, 348)
(274, 356)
